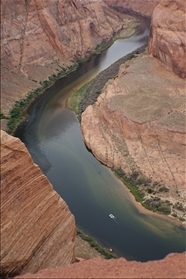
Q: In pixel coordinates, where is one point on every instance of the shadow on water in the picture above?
(53, 137)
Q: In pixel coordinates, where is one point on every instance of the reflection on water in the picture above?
(52, 135)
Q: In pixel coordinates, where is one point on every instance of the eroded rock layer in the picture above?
(37, 228)
(40, 37)
(173, 266)
(138, 124)
(142, 6)
(168, 35)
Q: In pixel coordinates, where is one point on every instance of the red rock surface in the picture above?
(142, 6)
(37, 228)
(139, 126)
(39, 37)
(173, 266)
(168, 38)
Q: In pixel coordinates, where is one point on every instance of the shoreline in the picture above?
(23, 105)
(95, 247)
(105, 252)
(142, 209)
(88, 96)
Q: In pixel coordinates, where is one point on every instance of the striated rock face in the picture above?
(173, 266)
(37, 228)
(142, 6)
(167, 39)
(40, 37)
(138, 124)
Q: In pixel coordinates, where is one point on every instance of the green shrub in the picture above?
(156, 204)
(179, 206)
(182, 219)
(150, 191)
(2, 116)
(174, 214)
(131, 185)
(165, 209)
(163, 189)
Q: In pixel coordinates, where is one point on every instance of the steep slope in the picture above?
(138, 122)
(37, 228)
(40, 38)
(139, 126)
(168, 38)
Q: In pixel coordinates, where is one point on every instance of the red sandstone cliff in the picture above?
(168, 35)
(39, 37)
(139, 126)
(37, 228)
(138, 122)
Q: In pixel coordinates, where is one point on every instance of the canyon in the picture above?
(40, 38)
(137, 125)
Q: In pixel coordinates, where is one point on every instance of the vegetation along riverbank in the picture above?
(19, 110)
(153, 195)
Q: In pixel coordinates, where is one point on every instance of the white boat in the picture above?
(112, 216)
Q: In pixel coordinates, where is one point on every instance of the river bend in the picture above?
(53, 137)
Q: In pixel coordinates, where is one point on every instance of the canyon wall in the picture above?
(37, 228)
(144, 7)
(139, 126)
(138, 121)
(168, 35)
(40, 38)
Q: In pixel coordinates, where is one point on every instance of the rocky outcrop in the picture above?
(40, 38)
(37, 228)
(173, 266)
(145, 7)
(167, 39)
(138, 124)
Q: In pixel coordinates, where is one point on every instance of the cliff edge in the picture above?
(173, 266)
(37, 228)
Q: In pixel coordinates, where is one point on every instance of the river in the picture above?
(52, 135)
